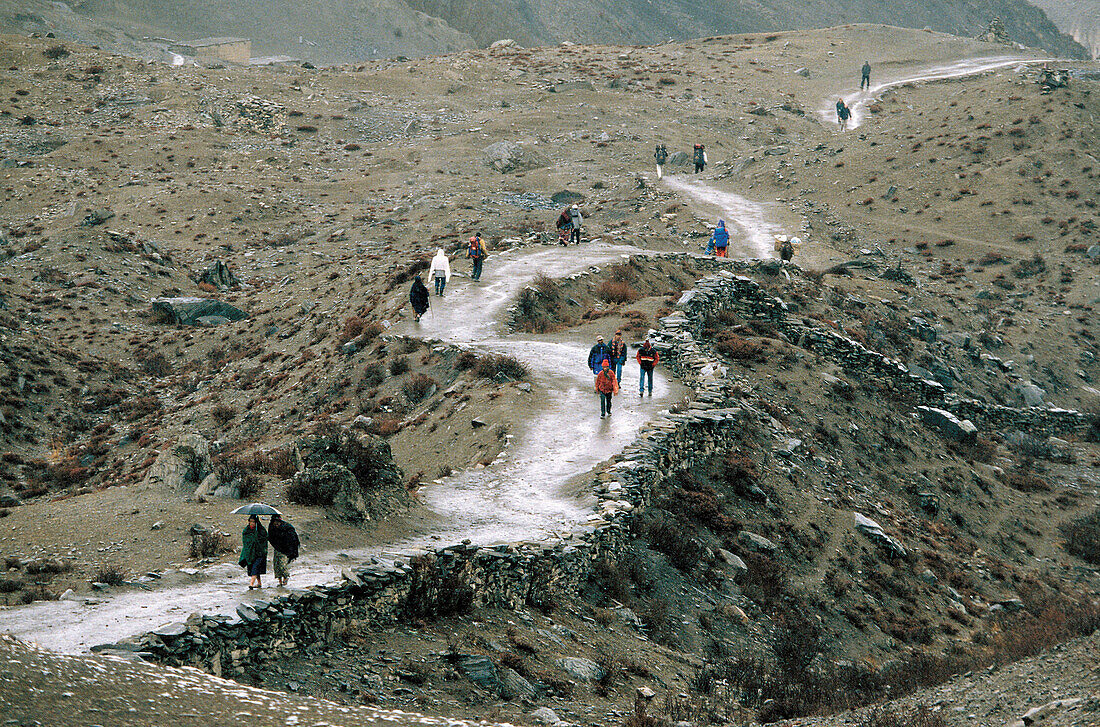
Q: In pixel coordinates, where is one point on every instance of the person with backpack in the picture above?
(565, 226)
(607, 386)
(700, 158)
(719, 241)
(575, 219)
(284, 541)
(865, 78)
(475, 251)
(597, 355)
(440, 271)
(618, 354)
(647, 358)
(418, 296)
(661, 155)
(843, 113)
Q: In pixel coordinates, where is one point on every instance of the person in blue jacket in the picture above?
(596, 356)
(719, 241)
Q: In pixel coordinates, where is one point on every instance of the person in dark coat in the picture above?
(418, 296)
(699, 156)
(254, 551)
(647, 359)
(284, 541)
(843, 113)
(597, 355)
(865, 78)
(661, 155)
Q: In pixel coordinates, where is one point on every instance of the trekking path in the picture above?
(751, 224)
(858, 100)
(534, 491)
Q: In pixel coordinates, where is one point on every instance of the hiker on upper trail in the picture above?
(254, 551)
(843, 113)
(618, 354)
(699, 157)
(719, 241)
(607, 385)
(647, 358)
(661, 155)
(418, 296)
(440, 271)
(597, 355)
(284, 541)
(865, 79)
(786, 250)
(475, 251)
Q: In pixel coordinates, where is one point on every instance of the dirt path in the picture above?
(859, 100)
(533, 491)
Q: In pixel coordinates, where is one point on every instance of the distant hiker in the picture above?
(475, 251)
(865, 79)
(719, 241)
(597, 355)
(661, 155)
(418, 296)
(607, 385)
(786, 250)
(565, 226)
(575, 220)
(284, 541)
(843, 113)
(699, 157)
(254, 551)
(440, 271)
(618, 354)
(647, 359)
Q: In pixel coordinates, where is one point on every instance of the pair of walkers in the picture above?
(439, 272)
(254, 541)
(606, 363)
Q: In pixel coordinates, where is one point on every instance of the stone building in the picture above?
(214, 50)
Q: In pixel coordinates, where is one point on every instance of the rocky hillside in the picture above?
(348, 31)
(1079, 19)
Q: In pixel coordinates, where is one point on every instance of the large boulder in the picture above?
(182, 466)
(875, 533)
(219, 275)
(331, 486)
(195, 311)
(678, 159)
(507, 156)
(949, 425)
(369, 462)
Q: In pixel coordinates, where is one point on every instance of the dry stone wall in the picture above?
(454, 578)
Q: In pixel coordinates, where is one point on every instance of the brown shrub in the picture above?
(112, 574)
(488, 367)
(617, 291)
(1082, 537)
(735, 347)
(418, 388)
(222, 414)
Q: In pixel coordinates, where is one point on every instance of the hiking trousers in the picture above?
(605, 404)
(476, 274)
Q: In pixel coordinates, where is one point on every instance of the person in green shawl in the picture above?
(254, 551)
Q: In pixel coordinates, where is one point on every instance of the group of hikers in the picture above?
(283, 539)
(843, 112)
(698, 158)
(606, 362)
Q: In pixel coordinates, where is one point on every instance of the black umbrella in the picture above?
(256, 508)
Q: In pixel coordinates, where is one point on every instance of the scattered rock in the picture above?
(874, 531)
(506, 157)
(756, 543)
(544, 715)
(182, 465)
(188, 311)
(219, 275)
(582, 669)
(949, 425)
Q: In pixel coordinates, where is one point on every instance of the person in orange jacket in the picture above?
(647, 359)
(607, 385)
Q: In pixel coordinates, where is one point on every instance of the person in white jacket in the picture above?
(440, 271)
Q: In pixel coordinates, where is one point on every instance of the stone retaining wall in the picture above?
(454, 578)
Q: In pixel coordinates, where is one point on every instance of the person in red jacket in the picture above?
(647, 359)
(607, 386)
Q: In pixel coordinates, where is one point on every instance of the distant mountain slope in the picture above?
(331, 31)
(648, 21)
(1079, 19)
(334, 31)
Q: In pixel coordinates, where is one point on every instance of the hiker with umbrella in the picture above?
(284, 541)
(254, 542)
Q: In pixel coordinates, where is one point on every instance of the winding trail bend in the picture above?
(534, 491)
(859, 100)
